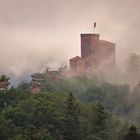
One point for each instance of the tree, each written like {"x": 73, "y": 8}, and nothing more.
{"x": 16, "y": 116}
{"x": 71, "y": 119}
{"x": 4, "y": 78}
{"x": 133, "y": 65}
{"x": 132, "y": 134}
{"x": 95, "y": 94}
{"x": 4, "y": 129}
{"x": 99, "y": 122}
{"x": 24, "y": 86}
{"x": 44, "y": 114}
{"x": 134, "y": 61}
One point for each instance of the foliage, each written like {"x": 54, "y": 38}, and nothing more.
{"x": 132, "y": 134}
{"x": 71, "y": 109}
{"x": 4, "y": 78}
{"x": 71, "y": 119}
{"x": 99, "y": 125}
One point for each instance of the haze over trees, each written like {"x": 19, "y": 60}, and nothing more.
{"x": 73, "y": 109}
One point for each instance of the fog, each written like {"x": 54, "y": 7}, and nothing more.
{"x": 35, "y": 34}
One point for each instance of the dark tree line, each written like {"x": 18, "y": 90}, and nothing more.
{"x": 48, "y": 116}
{"x": 90, "y": 112}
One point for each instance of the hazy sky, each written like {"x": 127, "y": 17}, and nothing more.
{"x": 35, "y": 34}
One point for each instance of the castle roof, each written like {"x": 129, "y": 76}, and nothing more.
{"x": 89, "y": 34}
{"x": 4, "y": 84}
{"x": 75, "y": 58}
{"x": 103, "y": 42}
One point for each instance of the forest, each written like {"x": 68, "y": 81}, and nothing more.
{"x": 72, "y": 109}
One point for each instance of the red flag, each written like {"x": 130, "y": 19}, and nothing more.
{"x": 94, "y": 24}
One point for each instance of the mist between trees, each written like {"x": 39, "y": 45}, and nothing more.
{"x": 101, "y": 107}
{"x": 72, "y": 109}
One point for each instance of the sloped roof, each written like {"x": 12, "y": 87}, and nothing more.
{"x": 40, "y": 75}
{"x": 76, "y": 58}
{"x": 4, "y": 84}
{"x": 102, "y": 42}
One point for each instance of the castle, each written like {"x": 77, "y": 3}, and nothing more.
{"x": 96, "y": 56}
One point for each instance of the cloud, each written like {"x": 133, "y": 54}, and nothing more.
{"x": 35, "y": 33}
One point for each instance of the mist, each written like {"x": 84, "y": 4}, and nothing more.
{"x": 36, "y": 34}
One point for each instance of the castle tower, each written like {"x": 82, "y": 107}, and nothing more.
{"x": 89, "y": 44}
{"x": 96, "y": 55}
{"x": 77, "y": 65}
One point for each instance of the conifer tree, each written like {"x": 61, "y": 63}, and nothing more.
{"x": 99, "y": 122}
{"x": 71, "y": 119}
{"x": 132, "y": 134}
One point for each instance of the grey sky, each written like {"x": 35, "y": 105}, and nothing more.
{"x": 39, "y": 33}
